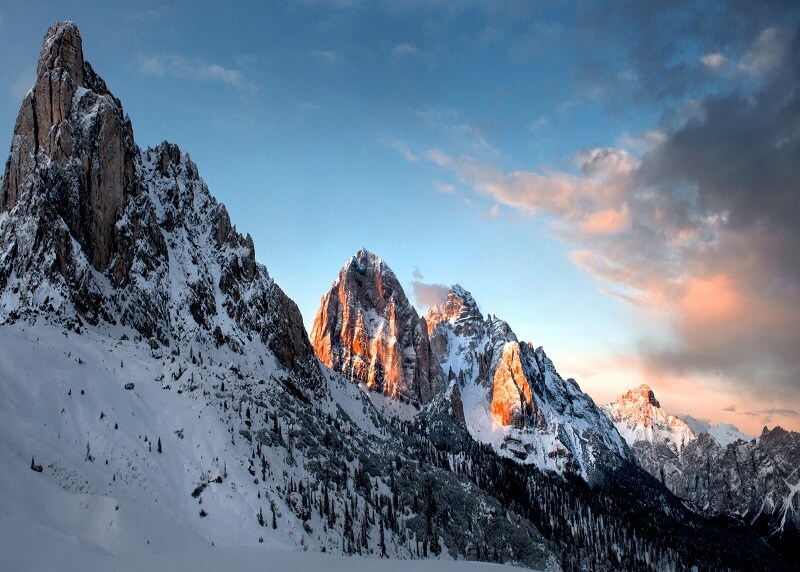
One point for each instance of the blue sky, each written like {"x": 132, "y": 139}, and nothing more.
{"x": 561, "y": 160}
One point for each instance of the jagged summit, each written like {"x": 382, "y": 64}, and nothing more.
{"x": 638, "y": 416}
{"x": 506, "y": 392}
{"x": 365, "y": 258}
{"x": 367, "y": 329}
{"x": 62, "y": 50}
{"x": 642, "y": 394}
{"x": 459, "y": 306}
{"x": 97, "y": 230}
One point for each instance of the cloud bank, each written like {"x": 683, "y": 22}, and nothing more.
{"x": 698, "y": 222}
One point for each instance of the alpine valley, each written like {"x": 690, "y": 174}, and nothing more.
{"x": 160, "y": 395}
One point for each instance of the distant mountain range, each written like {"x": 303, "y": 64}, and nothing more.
{"x": 158, "y": 390}
{"x": 716, "y": 467}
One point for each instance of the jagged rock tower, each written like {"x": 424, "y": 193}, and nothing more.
{"x": 92, "y": 229}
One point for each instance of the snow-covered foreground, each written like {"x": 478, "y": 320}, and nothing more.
{"x": 107, "y": 499}
{"x": 26, "y": 547}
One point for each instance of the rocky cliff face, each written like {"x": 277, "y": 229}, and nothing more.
{"x": 756, "y": 479}
{"x": 368, "y": 330}
{"x": 506, "y": 392}
{"x": 513, "y": 397}
{"x": 92, "y": 229}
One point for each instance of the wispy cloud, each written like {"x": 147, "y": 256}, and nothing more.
{"x": 427, "y": 294}
{"x": 539, "y": 123}
{"x": 774, "y": 411}
{"x": 403, "y": 148}
{"x": 146, "y": 15}
{"x": 714, "y": 61}
{"x": 435, "y": 116}
{"x": 20, "y": 86}
{"x": 327, "y": 56}
{"x": 404, "y": 50}
{"x": 307, "y": 106}
{"x": 193, "y": 69}
{"x": 446, "y": 188}
{"x": 766, "y": 54}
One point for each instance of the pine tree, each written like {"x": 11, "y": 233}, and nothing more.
{"x": 260, "y": 516}
{"x": 382, "y": 540}
{"x": 159, "y": 445}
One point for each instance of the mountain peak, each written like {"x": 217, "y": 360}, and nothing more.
{"x": 367, "y": 329}
{"x": 364, "y": 261}
{"x": 62, "y": 50}
{"x": 642, "y": 394}
{"x": 459, "y": 306}
{"x": 638, "y": 416}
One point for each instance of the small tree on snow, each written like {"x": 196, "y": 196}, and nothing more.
{"x": 159, "y": 445}
{"x": 260, "y": 516}
{"x": 35, "y": 467}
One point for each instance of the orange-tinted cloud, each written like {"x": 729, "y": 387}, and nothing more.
{"x": 712, "y": 301}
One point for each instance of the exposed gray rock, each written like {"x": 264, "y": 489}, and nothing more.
{"x": 92, "y": 228}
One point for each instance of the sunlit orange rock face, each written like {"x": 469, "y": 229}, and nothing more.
{"x": 368, "y": 330}
{"x": 512, "y": 399}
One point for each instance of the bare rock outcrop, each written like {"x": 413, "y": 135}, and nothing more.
{"x": 74, "y": 143}
{"x": 93, "y": 229}
{"x": 368, "y": 330}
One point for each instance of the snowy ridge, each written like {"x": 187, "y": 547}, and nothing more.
{"x": 513, "y": 398}
{"x": 716, "y": 467}
{"x": 722, "y": 433}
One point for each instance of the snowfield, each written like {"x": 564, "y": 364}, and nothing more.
{"x": 107, "y": 499}
{"x": 31, "y": 548}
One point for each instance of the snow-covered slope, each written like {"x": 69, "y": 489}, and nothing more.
{"x": 143, "y": 451}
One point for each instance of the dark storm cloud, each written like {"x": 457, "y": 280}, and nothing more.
{"x": 665, "y": 41}
{"x": 739, "y": 161}
{"x": 743, "y": 155}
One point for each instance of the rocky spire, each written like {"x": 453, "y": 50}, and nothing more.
{"x": 99, "y": 231}
{"x": 73, "y": 150}
{"x": 367, "y": 329}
